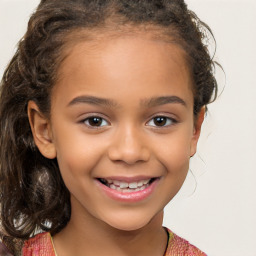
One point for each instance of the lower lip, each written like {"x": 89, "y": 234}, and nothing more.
{"x": 128, "y": 196}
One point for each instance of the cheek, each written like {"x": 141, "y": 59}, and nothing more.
{"x": 77, "y": 154}
{"x": 175, "y": 153}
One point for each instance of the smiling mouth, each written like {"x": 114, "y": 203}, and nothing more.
{"x": 127, "y": 187}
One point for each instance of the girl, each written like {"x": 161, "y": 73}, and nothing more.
{"x": 101, "y": 110}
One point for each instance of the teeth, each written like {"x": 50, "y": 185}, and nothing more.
{"x": 133, "y": 185}
{"x": 146, "y": 181}
{"x": 140, "y": 183}
{"x": 125, "y": 186}
{"x": 116, "y": 182}
{"x": 113, "y": 186}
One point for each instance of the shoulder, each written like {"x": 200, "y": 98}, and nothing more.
{"x": 40, "y": 244}
{"x": 178, "y": 246}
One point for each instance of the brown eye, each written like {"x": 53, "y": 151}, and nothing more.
{"x": 95, "y": 121}
{"x": 160, "y": 121}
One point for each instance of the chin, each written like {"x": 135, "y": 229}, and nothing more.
{"x": 129, "y": 226}
{"x": 130, "y": 223}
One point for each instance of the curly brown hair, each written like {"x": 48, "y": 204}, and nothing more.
{"x": 33, "y": 196}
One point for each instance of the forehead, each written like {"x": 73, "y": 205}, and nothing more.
{"x": 101, "y": 41}
{"x": 115, "y": 63}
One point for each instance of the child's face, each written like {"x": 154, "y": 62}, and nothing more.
{"x": 122, "y": 111}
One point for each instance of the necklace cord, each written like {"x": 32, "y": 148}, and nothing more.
{"x": 54, "y": 247}
{"x": 168, "y": 235}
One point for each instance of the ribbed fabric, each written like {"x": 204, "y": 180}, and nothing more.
{"x": 41, "y": 245}
{"x": 178, "y": 246}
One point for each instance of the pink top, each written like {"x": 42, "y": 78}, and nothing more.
{"x": 178, "y": 246}
{"x": 41, "y": 245}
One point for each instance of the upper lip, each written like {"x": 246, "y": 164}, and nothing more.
{"x": 128, "y": 179}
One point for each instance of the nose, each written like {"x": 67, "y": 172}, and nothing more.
{"x": 128, "y": 146}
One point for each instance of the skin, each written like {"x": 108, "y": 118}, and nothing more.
{"x": 129, "y": 71}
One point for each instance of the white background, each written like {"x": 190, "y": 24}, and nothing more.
{"x": 219, "y": 216}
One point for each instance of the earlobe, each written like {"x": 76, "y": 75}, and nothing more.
{"x": 41, "y": 130}
{"x": 197, "y": 130}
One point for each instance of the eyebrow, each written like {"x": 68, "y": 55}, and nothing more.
{"x": 158, "y": 101}
{"x": 152, "y": 102}
{"x": 93, "y": 101}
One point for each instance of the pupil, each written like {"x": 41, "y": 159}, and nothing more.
{"x": 160, "y": 121}
{"x": 95, "y": 121}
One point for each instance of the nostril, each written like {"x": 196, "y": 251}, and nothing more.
{"x": 128, "y": 155}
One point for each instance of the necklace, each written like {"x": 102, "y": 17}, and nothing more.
{"x": 163, "y": 254}
{"x": 54, "y": 247}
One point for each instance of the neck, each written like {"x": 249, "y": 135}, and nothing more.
{"x": 82, "y": 235}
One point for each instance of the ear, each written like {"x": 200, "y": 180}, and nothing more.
{"x": 197, "y": 130}
{"x": 41, "y": 130}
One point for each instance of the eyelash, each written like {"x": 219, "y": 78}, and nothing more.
{"x": 170, "y": 121}
{"x": 167, "y": 121}
{"x": 87, "y": 120}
